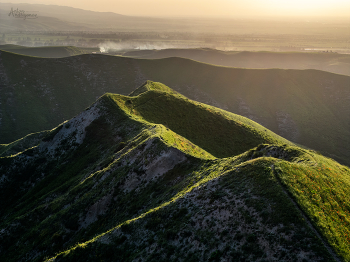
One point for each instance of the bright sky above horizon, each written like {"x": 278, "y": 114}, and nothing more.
{"x": 223, "y": 8}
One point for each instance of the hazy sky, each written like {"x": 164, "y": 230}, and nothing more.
{"x": 226, "y": 8}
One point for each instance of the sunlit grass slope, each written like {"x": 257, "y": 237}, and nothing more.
{"x": 217, "y": 131}
{"x": 308, "y": 107}
{"x": 123, "y": 182}
{"x": 322, "y": 188}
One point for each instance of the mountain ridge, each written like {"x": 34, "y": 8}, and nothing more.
{"x": 309, "y": 107}
{"x": 106, "y": 182}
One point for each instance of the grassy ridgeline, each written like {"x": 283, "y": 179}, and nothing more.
{"x": 308, "y": 107}
{"x": 217, "y": 131}
{"x": 106, "y": 195}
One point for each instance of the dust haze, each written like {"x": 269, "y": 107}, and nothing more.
{"x": 105, "y": 47}
{"x": 103, "y": 32}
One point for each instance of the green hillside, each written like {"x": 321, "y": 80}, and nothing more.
{"x": 308, "y": 107}
{"x": 43, "y": 51}
{"x": 206, "y": 126}
{"x": 116, "y": 183}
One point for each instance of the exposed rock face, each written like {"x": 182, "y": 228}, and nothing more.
{"x": 97, "y": 209}
{"x": 72, "y": 131}
{"x": 156, "y": 166}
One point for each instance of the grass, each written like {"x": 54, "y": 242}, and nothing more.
{"x": 322, "y": 190}
{"x": 130, "y": 137}
{"x": 309, "y": 101}
{"x": 221, "y": 133}
{"x": 308, "y": 107}
{"x": 258, "y": 187}
{"x": 63, "y": 181}
{"x": 149, "y": 85}
{"x": 20, "y": 145}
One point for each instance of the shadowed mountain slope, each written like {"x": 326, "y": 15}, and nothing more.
{"x": 308, "y": 107}
{"x": 115, "y": 183}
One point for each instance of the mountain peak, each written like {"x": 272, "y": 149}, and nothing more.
{"x": 160, "y": 170}
{"x": 150, "y": 85}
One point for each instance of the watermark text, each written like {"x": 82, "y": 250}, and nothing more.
{"x": 22, "y": 14}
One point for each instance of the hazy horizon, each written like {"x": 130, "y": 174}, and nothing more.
{"x": 143, "y": 30}
{"x": 239, "y": 9}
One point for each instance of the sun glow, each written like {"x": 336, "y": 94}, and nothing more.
{"x": 306, "y": 6}
{"x": 211, "y": 8}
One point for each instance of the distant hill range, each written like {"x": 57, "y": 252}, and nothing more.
{"x": 308, "y": 107}
{"x": 326, "y": 61}
{"x": 43, "y": 51}
{"x": 155, "y": 175}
